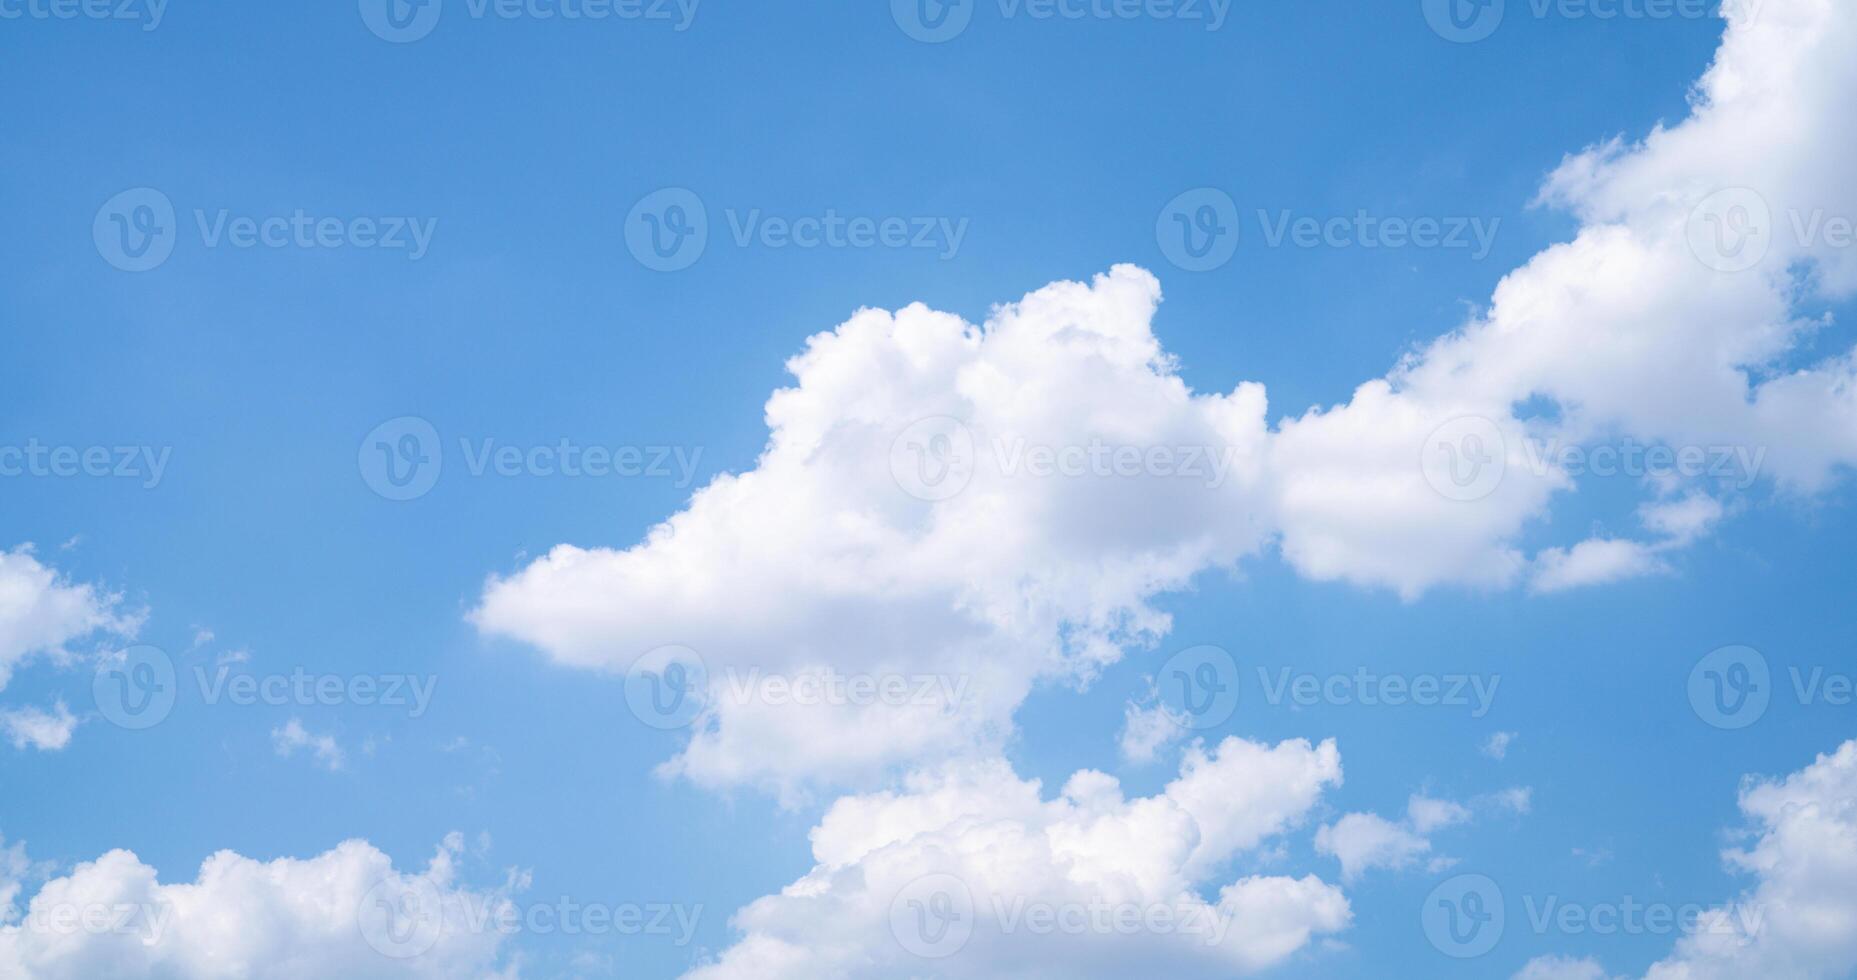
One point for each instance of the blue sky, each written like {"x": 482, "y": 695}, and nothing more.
{"x": 521, "y": 146}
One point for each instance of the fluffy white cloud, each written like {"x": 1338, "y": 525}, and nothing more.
{"x": 969, "y": 872}
{"x": 41, "y": 612}
{"x": 846, "y": 547}
{"x": 1804, "y": 860}
{"x": 827, "y": 556}
{"x": 47, "y": 731}
{"x": 1497, "y": 745}
{"x": 285, "y": 919}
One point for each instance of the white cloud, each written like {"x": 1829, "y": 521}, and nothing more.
{"x": 977, "y": 830}
{"x": 1497, "y": 745}
{"x": 47, "y": 731}
{"x": 816, "y": 558}
{"x": 41, "y": 612}
{"x": 1804, "y": 860}
{"x": 1595, "y": 561}
{"x": 1146, "y": 730}
{"x": 286, "y": 919}
{"x": 292, "y": 737}
{"x": 1427, "y": 814}
{"x": 1364, "y": 841}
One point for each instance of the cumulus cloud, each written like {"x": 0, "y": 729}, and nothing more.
{"x": 1803, "y": 858}
{"x": 970, "y": 872}
{"x": 287, "y": 919}
{"x": 1497, "y": 745}
{"x": 1799, "y": 917}
{"x": 47, "y": 731}
{"x": 42, "y": 612}
{"x": 847, "y": 546}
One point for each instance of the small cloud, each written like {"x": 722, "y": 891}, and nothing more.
{"x": 292, "y": 738}
{"x": 238, "y": 656}
{"x": 1497, "y": 745}
{"x": 42, "y": 730}
{"x": 201, "y": 637}
{"x": 1145, "y": 731}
